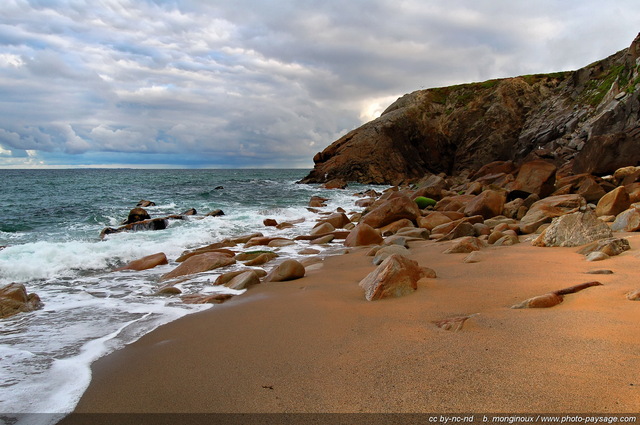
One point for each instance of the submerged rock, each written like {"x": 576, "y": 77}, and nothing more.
{"x": 145, "y": 263}
{"x": 14, "y": 299}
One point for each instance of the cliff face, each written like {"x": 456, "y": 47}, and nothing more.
{"x": 585, "y": 121}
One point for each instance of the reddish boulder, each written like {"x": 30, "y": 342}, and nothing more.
{"x": 285, "y": 271}
{"x": 454, "y": 203}
{"x": 145, "y": 263}
{"x": 337, "y": 220}
{"x": 243, "y": 280}
{"x": 200, "y": 263}
{"x": 434, "y": 219}
{"x": 466, "y": 245}
{"x": 488, "y": 204}
{"x": 627, "y": 221}
{"x": 545, "y": 210}
{"x": 394, "y": 277}
{"x": 14, "y": 299}
{"x": 541, "y": 301}
{"x": 363, "y": 235}
{"x": 270, "y": 222}
{"x": 614, "y": 202}
{"x": 392, "y": 210}
{"x": 537, "y": 177}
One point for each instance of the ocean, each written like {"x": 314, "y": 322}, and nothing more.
{"x": 50, "y": 222}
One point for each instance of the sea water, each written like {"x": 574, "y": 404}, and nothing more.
{"x": 50, "y": 221}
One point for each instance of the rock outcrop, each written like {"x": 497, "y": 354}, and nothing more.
{"x": 585, "y": 121}
{"x": 14, "y": 299}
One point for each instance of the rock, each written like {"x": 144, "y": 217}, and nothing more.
{"x": 209, "y": 248}
{"x": 136, "y": 215}
{"x": 495, "y": 167}
{"x": 215, "y": 213}
{"x": 465, "y": 245}
{"x": 494, "y": 236}
{"x": 270, "y": 222}
{"x": 510, "y": 209}
{"x": 363, "y": 235}
{"x": 634, "y": 295}
{"x": 473, "y": 257}
{"x": 366, "y": 202}
{"x": 322, "y": 229}
{"x": 536, "y": 177}
{"x": 168, "y": 290}
{"x": 610, "y": 246}
{"x": 614, "y": 202}
{"x": 488, "y": 204}
{"x": 390, "y": 211}
{"x": 144, "y": 204}
{"x": 396, "y": 240}
{"x": 387, "y": 251}
{"x": 285, "y": 271}
{"x": 138, "y": 226}
{"x": 574, "y": 229}
{"x": 145, "y": 263}
{"x": 279, "y": 243}
{"x": 323, "y": 240}
{"x": 198, "y": 264}
{"x": 433, "y": 220}
{"x": 541, "y": 301}
{"x": 309, "y": 251}
{"x": 507, "y": 240}
{"x": 621, "y": 174}
{"x": 243, "y": 280}
{"x": 190, "y": 211}
{"x": 545, "y": 210}
{"x": 338, "y": 220}
{"x": 431, "y": 187}
{"x": 393, "y": 228}
{"x": 481, "y": 229}
{"x": 219, "y": 188}
{"x": 206, "y": 299}
{"x": 318, "y": 202}
{"x": 394, "y": 277}
{"x": 453, "y": 324}
{"x": 335, "y": 184}
{"x": 14, "y": 299}
{"x": 576, "y": 288}
{"x": 227, "y": 277}
{"x": 600, "y": 271}
{"x": 627, "y": 221}
{"x": 462, "y": 229}
{"x": 454, "y": 203}
{"x": 261, "y": 259}
{"x": 413, "y": 233}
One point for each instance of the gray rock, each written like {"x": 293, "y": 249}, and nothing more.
{"x": 574, "y": 229}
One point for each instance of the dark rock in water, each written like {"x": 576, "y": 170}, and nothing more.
{"x": 136, "y": 215}
{"x": 14, "y": 299}
{"x": 190, "y": 211}
{"x": 144, "y": 203}
{"x": 218, "y": 188}
{"x": 153, "y": 224}
{"x": 215, "y": 213}
{"x": 270, "y": 222}
{"x": 584, "y": 120}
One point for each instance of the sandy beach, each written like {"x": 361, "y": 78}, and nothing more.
{"x": 316, "y": 345}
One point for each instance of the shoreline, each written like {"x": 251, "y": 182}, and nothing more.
{"x": 315, "y": 345}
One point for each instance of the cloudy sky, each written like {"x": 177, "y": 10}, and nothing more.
{"x": 259, "y": 83}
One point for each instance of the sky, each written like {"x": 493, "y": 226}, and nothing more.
{"x": 259, "y": 84}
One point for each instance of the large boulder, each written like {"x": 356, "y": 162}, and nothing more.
{"x": 614, "y": 202}
{"x": 537, "y": 177}
{"x": 363, "y": 235}
{"x": 137, "y": 214}
{"x": 337, "y": 220}
{"x": 394, "y": 277}
{"x": 545, "y": 210}
{"x": 609, "y": 246}
{"x": 145, "y": 263}
{"x": 392, "y": 210}
{"x": 627, "y": 221}
{"x": 200, "y": 263}
{"x": 243, "y": 280}
{"x": 14, "y": 299}
{"x": 488, "y": 204}
{"x": 285, "y": 271}
{"x": 574, "y": 229}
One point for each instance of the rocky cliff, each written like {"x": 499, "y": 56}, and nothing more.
{"x": 584, "y": 121}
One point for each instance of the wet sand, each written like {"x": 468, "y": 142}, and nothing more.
{"x": 316, "y": 345}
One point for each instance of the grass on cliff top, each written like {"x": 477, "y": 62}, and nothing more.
{"x": 465, "y": 92}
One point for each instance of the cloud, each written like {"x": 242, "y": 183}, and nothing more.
{"x": 253, "y": 83}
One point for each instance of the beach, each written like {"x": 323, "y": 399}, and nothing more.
{"x": 315, "y": 345}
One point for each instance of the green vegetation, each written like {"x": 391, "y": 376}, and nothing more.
{"x": 424, "y": 202}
